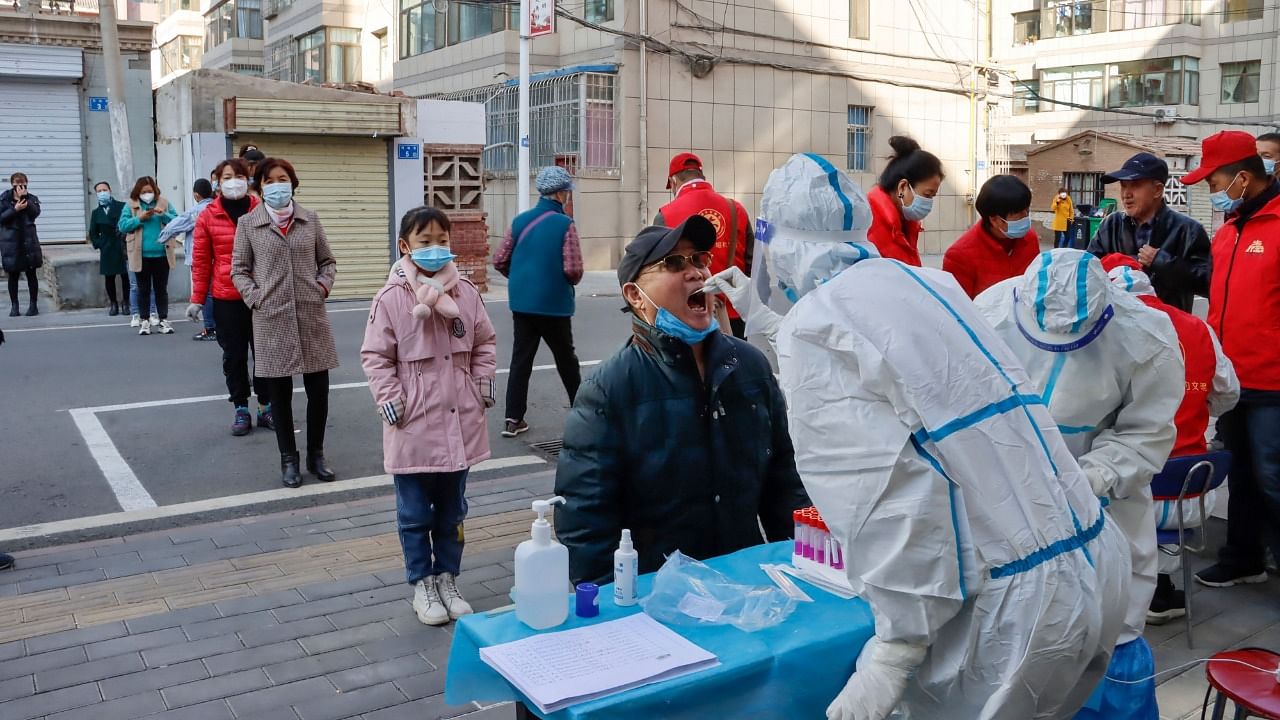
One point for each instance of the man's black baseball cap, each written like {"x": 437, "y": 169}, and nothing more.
{"x": 1142, "y": 166}
{"x": 656, "y": 242}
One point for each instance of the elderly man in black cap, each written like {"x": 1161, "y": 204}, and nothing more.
{"x": 681, "y": 436}
{"x": 1173, "y": 247}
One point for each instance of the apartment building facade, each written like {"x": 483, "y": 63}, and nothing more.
{"x": 1165, "y": 69}
{"x": 179, "y": 40}
{"x": 742, "y": 84}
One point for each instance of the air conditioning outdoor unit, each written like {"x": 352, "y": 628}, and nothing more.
{"x": 1166, "y": 114}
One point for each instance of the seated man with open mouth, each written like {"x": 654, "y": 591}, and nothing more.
{"x": 681, "y": 436}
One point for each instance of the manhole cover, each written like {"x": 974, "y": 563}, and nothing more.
{"x": 550, "y": 448}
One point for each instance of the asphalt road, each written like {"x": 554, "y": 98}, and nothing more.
{"x": 182, "y": 452}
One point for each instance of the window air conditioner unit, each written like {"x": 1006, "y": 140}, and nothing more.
{"x": 1166, "y": 114}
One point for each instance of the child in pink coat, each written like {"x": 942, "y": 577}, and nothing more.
{"x": 430, "y": 353}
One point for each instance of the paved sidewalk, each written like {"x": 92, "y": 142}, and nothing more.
{"x": 305, "y": 616}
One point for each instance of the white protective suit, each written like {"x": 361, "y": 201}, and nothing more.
{"x": 996, "y": 582}
{"x": 1224, "y": 393}
{"x": 1109, "y": 369}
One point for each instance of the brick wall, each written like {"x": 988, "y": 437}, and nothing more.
{"x": 454, "y": 184}
{"x": 1045, "y": 169}
{"x": 469, "y": 239}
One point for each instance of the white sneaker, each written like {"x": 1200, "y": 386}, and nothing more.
{"x": 154, "y": 320}
{"x": 447, "y": 585}
{"x": 145, "y": 329}
{"x": 135, "y": 321}
{"x": 165, "y": 328}
{"x": 426, "y": 603}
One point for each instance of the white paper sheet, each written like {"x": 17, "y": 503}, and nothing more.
{"x": 559, "y": 669}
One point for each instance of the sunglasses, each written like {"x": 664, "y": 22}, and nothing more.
{"x": 677, "y": 263}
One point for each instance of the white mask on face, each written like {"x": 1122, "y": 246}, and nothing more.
{"x": 235, "y": 188}
{"x": 147, "y": 198}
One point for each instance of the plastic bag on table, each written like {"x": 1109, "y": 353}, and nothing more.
{"x": 688, "y": 592}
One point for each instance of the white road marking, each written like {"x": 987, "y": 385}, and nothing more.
{"x": 126, "y": 486}
{"x": 154, "y": 512}
{"x": 172, "y": 321}
{"x": 209, "y": 398}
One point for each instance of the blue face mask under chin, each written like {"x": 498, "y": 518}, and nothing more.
{"x": 669, "y": 324}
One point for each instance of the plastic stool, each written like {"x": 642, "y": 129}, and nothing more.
{"x": 1255, "y": 694}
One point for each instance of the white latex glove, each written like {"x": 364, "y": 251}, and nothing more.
{"x": 193, "y": 312}
{"x": 874, "y": 690}
{"x": 735, "y": 285}
{"x": 1098, "y": 481}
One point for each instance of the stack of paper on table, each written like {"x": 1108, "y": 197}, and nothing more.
{"x": 559, "y": 669}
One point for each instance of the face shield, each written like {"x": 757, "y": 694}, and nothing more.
{"x": 812, "y": 226}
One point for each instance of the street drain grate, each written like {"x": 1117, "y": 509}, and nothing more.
{"x": 550, "y": 448}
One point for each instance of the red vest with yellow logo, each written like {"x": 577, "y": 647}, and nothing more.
{"x": 1244, "y": 297}
{"x": 1192, "y": 418}
{"x": 698, "y": 197}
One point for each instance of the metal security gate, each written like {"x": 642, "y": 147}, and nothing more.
{"x": 345, "y": 181}
{"x": 40, "y": 136}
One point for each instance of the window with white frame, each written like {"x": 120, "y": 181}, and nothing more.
{"x": 181, "y": 53}
{"x": 598, "y": 11}
{"x": 1238, "y": 10}
{"x": 278, "y": 59}
{"x": 1079, "y": 85}
{"x": 573, "y": 122}
{"x": 1240, "y": 81}
{"x": 1084, "y": 188}
{"x": 859, "y": 138}
{"x": 327, "y": 55}
{"x": 232, "y": 19}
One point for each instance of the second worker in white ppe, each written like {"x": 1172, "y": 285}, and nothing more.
{"x": 1109, "y": 369}
{"x": 996, "y": 582}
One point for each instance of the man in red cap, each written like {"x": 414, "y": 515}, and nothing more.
{"x": 1244, "y": 309}
{"x": 1211, "y": 388}
{"x": 695, "y": 196}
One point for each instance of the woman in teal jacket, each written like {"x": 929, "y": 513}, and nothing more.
{"x": 144, "y": 216}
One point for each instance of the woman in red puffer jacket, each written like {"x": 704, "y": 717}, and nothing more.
{"x": 214, "y": 238}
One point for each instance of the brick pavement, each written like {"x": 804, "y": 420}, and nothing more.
{"x": 302, "y": 615}
{"x": 305, "y": 616}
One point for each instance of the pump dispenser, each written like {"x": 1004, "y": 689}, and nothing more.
{"x": 542, "y": 574}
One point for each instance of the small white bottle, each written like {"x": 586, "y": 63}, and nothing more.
{"x": 625, "y": 563}
{"x": 542, "y": 574}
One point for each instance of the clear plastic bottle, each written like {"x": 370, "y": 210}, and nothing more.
{"x": 542, "y": 574}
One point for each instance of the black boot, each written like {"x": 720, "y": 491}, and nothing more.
{"x": 290, "y": 475}
{"x": 317, "y": 466}
{"x": 14, "y": 311}
{"x": 115, "y": 309}
{"x": 32, "y": 310}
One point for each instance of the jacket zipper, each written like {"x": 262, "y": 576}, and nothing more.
{"x": 1226, "y": 288}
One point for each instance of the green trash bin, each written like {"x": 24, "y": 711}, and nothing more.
{"x": 1108, "y": 206}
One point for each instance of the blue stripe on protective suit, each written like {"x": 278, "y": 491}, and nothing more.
{"x": 1059, "y": 361}
{"x": 1075, "y": 429}
{"x": 1042, "y": 286}
{"x": 1044, "y": 445}
{"x": 1051, "y": 551}
{"x": 1082, "y": 293}
{"x": 1128, "y": 279}
{"x": 1075, "y": 522}
{"x": 833, "y": 177}
{"x": 1129, "y": 699}
{"x": 951, "y": 495}
{"x": 996, "y": 408}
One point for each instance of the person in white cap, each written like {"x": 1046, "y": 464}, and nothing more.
{"x": 996, "y": 581}
{"x": 1109, "y": 370}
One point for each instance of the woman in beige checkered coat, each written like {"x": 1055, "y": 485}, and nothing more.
{"x": 284, "y": 270}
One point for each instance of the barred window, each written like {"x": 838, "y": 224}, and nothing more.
{"x": 573, "y": 121}
{"x": 1085, "y": 188}
{"x": 859, "y": 138}
{"x": 278, "y": 57}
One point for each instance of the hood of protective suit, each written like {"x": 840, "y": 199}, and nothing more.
{"x": 813, "y": 224}
{"x": 1131, "y": 281}
{"x": 1061, "y": 296}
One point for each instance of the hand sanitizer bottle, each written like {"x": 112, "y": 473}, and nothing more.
{"x": 542, "y": 574}
{"x": 625, "y": 561}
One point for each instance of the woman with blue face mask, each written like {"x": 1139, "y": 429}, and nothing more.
{"x": 1001, "y": 244}
{"x": 903, "y": 199}
{"x": 283, "y": 268}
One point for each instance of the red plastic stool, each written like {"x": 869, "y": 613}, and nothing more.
{"x": 1255, "y": 694}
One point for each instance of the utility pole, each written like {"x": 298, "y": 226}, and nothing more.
{"x": 121, "y": 146}
{"x": 522, "y": 150}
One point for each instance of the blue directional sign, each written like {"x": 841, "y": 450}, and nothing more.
{"x": 408, "y": 151}
{"x": 97, "y": 104}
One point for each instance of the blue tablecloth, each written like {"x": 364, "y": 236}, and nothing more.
{"x": 792, "y": 670}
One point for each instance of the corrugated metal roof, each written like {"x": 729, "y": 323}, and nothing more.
{"x": 40, "y": 61}
{"x": 313, "y": 117}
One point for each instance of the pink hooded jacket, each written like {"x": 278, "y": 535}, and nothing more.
{"x": 435, "y": 365}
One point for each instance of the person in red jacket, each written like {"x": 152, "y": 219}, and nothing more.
{"x": 1211, "y": 388}
{"x": 694, "y": 195}
{"x": 1000, "y": 245}
{"x": 902, "y": 199}
{"x": 212, "y": 243}
{"x": 1244, "y": 309}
